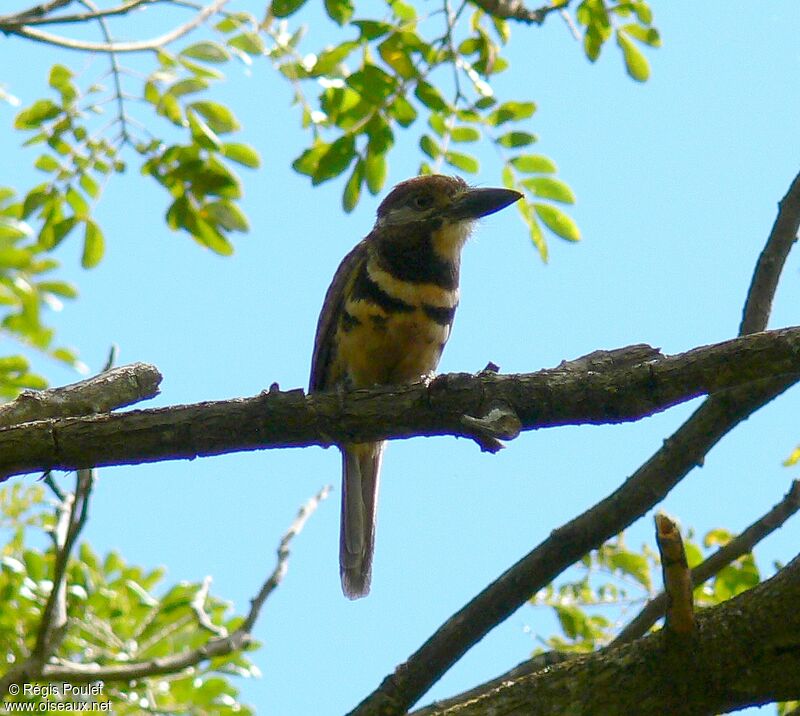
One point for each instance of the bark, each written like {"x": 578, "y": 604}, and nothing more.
{"x": 745, "y": 652}
{"x": 604, "y": 387}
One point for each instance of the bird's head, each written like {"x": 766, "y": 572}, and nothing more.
{"x": 441, "y": 200}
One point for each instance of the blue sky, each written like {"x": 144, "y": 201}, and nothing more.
{"x": 677, "y": 183}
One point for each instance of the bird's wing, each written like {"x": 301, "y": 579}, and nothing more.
{"x": 331, "y": 309}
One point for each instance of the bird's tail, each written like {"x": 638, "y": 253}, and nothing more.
{"x": 361, "y": 465}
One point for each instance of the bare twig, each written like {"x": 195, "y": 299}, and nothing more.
{"x": 134, "y": 46}
{"x": 771, "y": 261}
{"x": 740, "y": 545}
{"x": 677, "y": 579}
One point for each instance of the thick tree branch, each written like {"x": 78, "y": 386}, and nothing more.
{"x": 654, "y": 610}
{"x": 680, "y": 453}
{"x": 738, "y": 546}
{"x": 606, "y": 387}
{"x": 102, "y": 393}
{"x": 771, "y": 261}
{"x": 745, "y": 651}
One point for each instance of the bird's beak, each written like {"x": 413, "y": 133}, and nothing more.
{"x": 478, "y": 202}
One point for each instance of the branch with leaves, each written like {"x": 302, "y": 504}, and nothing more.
{"x": 44, "y": 662}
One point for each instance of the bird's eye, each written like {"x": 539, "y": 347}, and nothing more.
{"x": 422, "y": 201}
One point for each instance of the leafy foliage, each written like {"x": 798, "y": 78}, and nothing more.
{"x": 114, "y": 618}
{"x": 380, "y": 82}
{"x": 26, "y": 291}
{"x": 615, "y": 579}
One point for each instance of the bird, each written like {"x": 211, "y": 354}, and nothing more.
{"x": 385, "y": 320}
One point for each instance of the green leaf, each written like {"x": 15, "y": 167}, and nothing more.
{"x": 403, "y": 11}
{"x": 184, "y": 87}
{"x": 59, "y": 288}
{"x": 77, "y": 202}
{"x": 647, "y": 35}
{"x": 35, "y": 198}
{"x": 340, "y": 11}
{"x": 308, "y": 161}
{"x": 207, "y": 51}
{"x": 516, "y": 139}
{"x": 202, "y": 133}
{"x": 465, "y": 134}
{"x": 428, "y": 145}
{"x": 558, "y": 222}
{"x": 225, "y": 214}
{"x": 352, "y": 190}
{"x": 284, "y": 8}
{"x": 219, "y": 118}
{"x": 201, "y": 70}
{"x": 60, "y": 77}
{"x": 372, "y": 29}
{"x": 335, "y": 160}
{"x": 39, "y": 112}
{"x": 375, "y": 171}
{"x": 249, "y": 42}
{"x": 89, "y": 185}
{"x": 170, "y": 108}
{"x": 11, "y": 228}
{"x": 330, "y": 59}
{"x": 635, "y": 62}
{"x": 93, "y": 245}
{"x": 47, "y": 163}
{"x": 402, "y": 111}
{"x": 530, "y": 163}
{"x": 430, "y": 96}
{"x": 394, "y": 53}
{"x": 718, "y": 537}
{"x": 793, "y": 458}
{"x": 464, "y": 162}
{"x": 511, "y": 112}
{"x": 151, "y": 93}
{"x": 372, "y": 83}
{"x": 241, "y": 154}
{"x": 549, "y": 188}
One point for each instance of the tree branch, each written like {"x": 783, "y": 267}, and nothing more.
{"x": 72, "y": 515}
{"x": 102, "y": 393}
{"x": 602, "y": 388}
{"x": 48, "y": 19}
{"x": 134, "y": 46}
{"x": 654, "y": 609}
{"x": 770, "y": 262}
{"x": 756, "y": 634}
{"x": 681, "y": 452}
{"x": 677, "y": 577}
{"x": 738, "y": 546}
{"x": 516, "y": 10}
